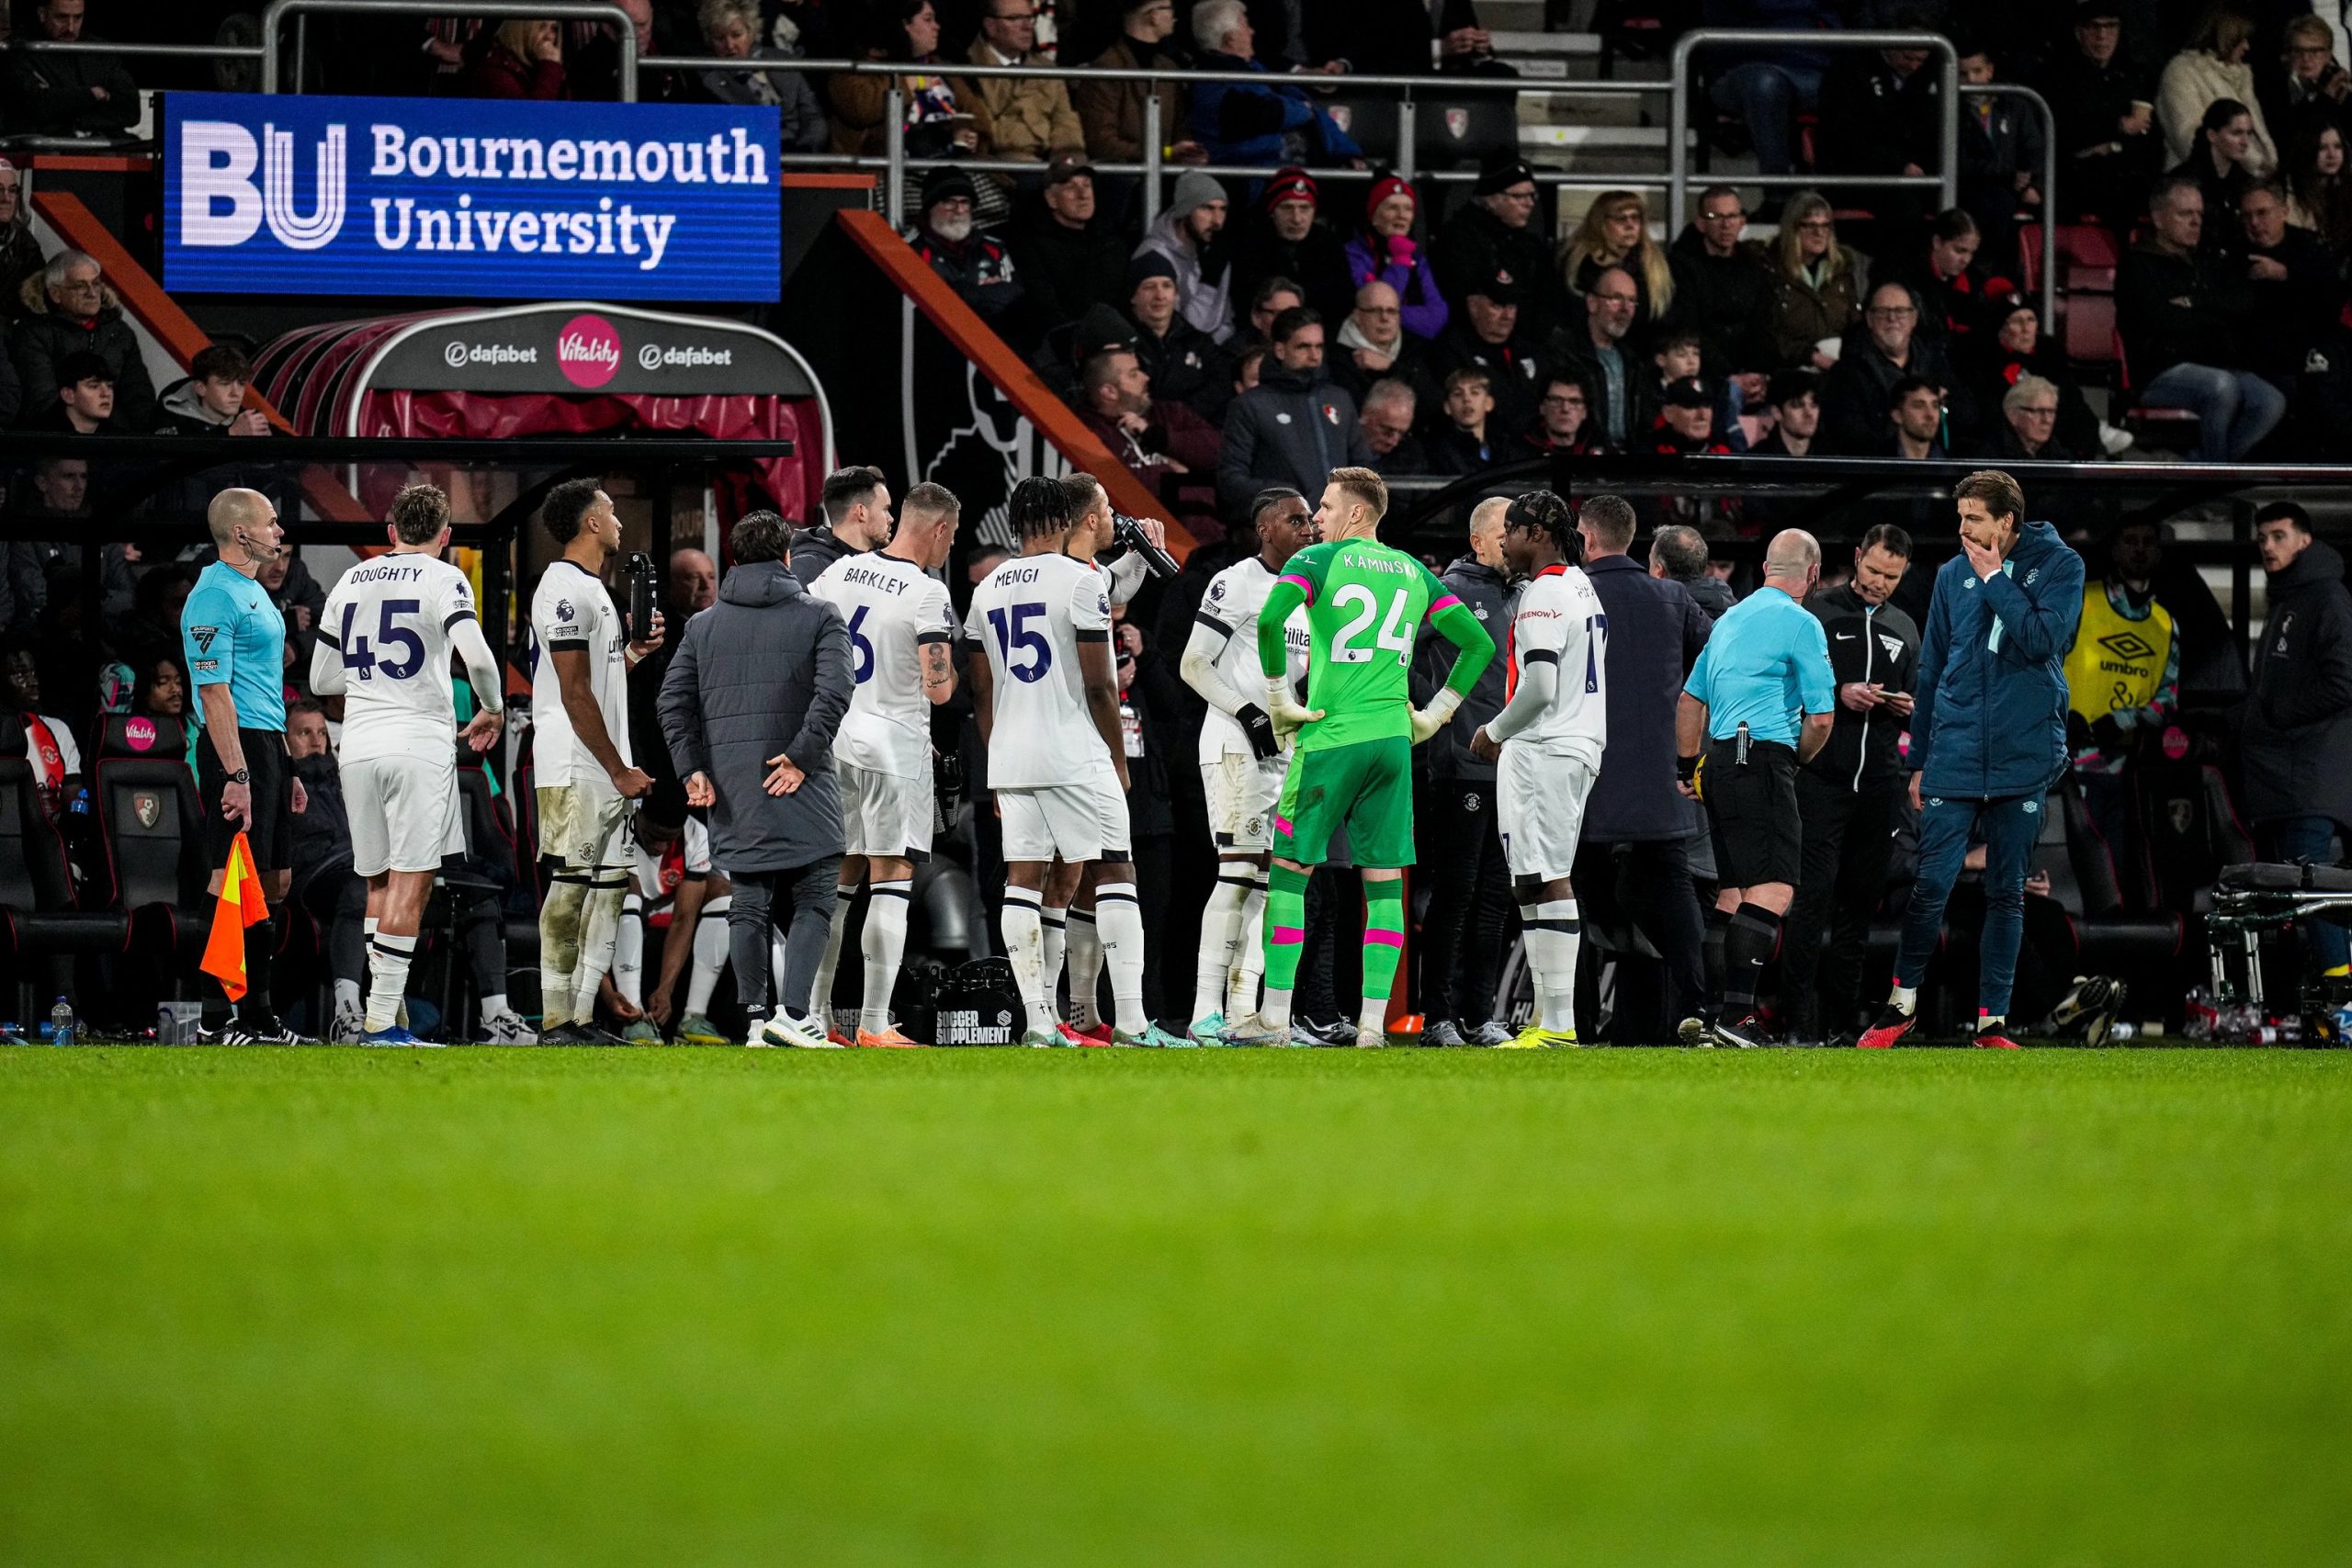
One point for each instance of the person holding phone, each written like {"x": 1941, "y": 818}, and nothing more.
{"x": 1850, "y": 798}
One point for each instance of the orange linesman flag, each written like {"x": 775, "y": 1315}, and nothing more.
{"x": 240, "y": 905}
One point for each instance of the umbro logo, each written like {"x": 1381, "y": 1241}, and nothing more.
{"x": 2128, "y": 646}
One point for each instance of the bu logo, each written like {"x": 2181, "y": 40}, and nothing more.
{"x": 218, "y": 160}
{"x": 148, "y": 807}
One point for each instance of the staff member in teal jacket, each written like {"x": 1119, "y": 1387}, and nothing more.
{"x": 234, "y": 640}
{"x": 1988, "y": 736}
{"x": 1762, "y": 698}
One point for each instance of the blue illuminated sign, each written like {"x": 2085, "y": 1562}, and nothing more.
{"x": 469, "y": 198}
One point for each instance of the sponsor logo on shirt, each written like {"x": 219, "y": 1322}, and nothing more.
{"x": 202, "y": 637}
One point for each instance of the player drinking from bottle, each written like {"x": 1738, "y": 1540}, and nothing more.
{"x": 1546, "y": 744}
{"x": 1353, "y": 763}
{"x": 1045, "y": 691}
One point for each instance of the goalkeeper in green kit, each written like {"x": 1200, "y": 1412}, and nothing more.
{"x": 1354, "y": 763}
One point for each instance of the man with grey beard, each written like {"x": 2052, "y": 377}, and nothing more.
{"x": 975, "y": 266}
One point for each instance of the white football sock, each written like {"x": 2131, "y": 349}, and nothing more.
{"x": 710, "y": 953}
{"x": 600, "y": 930}
{"x": 885, "y": 945}
{"x": 1275, "y": 1007}
{"x": 389, "y": 957}
{"x": 1250, "y": 972}
{"x": 495, "y": 1006}
{"x": 559, "y": 918}
{"x": 820, "y": 994}
{"x": 629, "y": 952}
{"x": 1084, "y": 955}
{"x": 1055, "y": 924}
{"x": 1220, "y": 936}
{"x": 1024, "y": 947}
{"x": 1121, "y": 920}
{"x": 348, "y": 998}
{"x": 1552, "y": 931}
{"x": 1904, "y": 1000}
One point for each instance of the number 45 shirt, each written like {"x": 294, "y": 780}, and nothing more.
{"x": 390, "y": 619}
{"x": 1029, "y": 618}
{"x": 571, "y": 610}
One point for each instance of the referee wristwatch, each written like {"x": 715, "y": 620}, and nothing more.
{"x": 242, "y": 776}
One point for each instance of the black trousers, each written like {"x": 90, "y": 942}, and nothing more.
{"x": 1468, "y": 923}
{"x": 1847, "y": 838}
{"x": 1644, "y": 883}
{"x": 807, "y": 893}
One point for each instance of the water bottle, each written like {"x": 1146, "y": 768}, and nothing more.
{"x": 2343, "y": 1025}
{"x": 2202, "y": 1017}
{"x": 2122, "y": 1034}
{"x": 61, "y": 1023}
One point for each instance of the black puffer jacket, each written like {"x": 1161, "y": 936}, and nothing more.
{"x": 41, "y": 340}
{"x": 1877, "y": 644}
{"x": 1490, "y": 598}
{"x": 764, "y": 672}
{"x": 2297, "y": 737}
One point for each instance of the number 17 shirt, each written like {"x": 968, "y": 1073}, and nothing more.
{"x": 1029, "y": 616}
{"x": 390, "y": 619}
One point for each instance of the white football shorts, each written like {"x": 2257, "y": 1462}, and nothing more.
{"x": 1540, "y": 805}
{"x": 1241, "y": 791}
{"x": 1077, "y": 822}
{"x": 883, "y": 814}
{"x": 582, "y": 823}
{"x": 404, "y": 813}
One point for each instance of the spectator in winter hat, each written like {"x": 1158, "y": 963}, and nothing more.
{"x": 1189, "y": 235}
{"x": 1386, "y": 251}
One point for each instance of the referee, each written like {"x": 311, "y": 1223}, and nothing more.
{"x": 233, "y": 639}
{"x": 1759, "y": 703}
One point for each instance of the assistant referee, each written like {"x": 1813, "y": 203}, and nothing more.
{"x": 234, "y": 640}
{"x": 1759, "y": 703}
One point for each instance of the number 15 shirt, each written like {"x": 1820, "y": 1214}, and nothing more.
{"x": 1029, "y": 618}
{"x": 390, "y": 619}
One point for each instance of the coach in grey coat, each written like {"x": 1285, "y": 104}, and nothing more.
{"x": 752, "y": 699}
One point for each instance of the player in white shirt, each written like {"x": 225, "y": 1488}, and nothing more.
{"x": 385, "y": 636}
{"x": 1242, "y": 759}
{"x": 1546, "y": 744}
{"x": 580, "y": 750}
{"x": 902, "y": 637}
{"x": 1044, "y": 688}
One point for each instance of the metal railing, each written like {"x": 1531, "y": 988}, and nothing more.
{"x": 1946, "y": 181}
{"x": 2049, "y": 207}
{"x": 895, "y": 165}
{"x": 273, "y": 20}
{"x": 1154, "y": 138}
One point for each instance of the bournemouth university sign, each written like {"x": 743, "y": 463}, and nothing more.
{"x": 469, "y": 198}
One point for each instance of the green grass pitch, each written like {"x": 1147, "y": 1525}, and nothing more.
{"x": 688, "y": 1307}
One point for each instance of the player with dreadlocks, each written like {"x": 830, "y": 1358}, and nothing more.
{"x": 1546, "y": 744}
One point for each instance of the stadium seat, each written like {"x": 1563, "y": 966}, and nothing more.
{"x": 151, "y": 824}
{"x": 2172, "y": 427}
{"x": 38, "y": 914}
